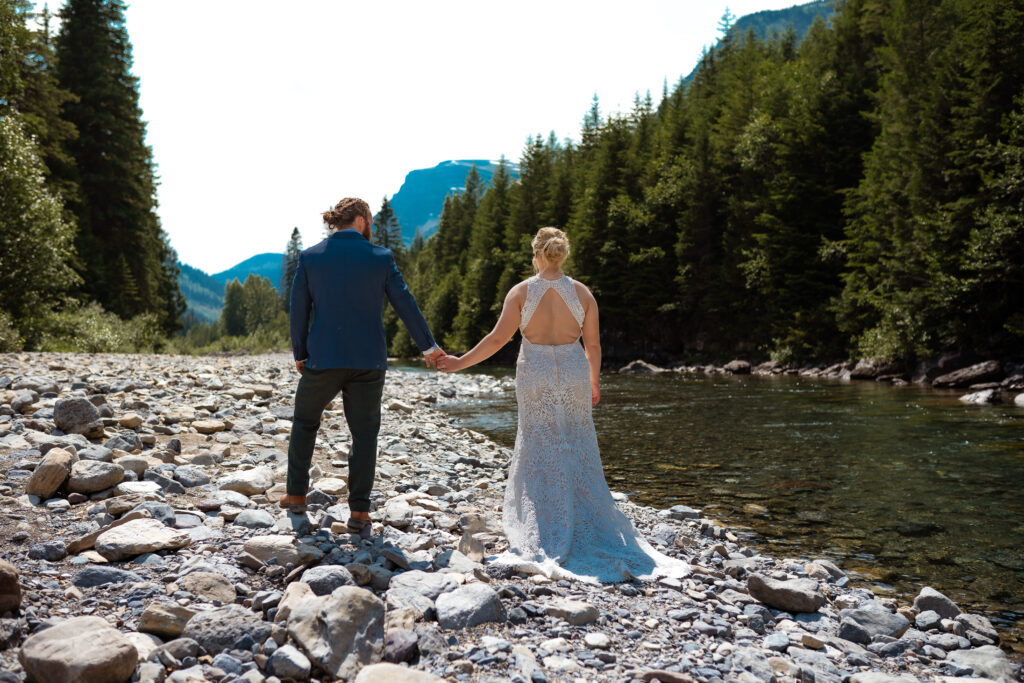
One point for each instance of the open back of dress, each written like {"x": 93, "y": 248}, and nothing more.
{"x": 558, "y": 515}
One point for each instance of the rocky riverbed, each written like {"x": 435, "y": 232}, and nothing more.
{"x": 142, "y": 541}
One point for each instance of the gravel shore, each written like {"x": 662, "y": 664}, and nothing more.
{"x": 141, "y": 540}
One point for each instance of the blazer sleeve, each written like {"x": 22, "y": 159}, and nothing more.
{"x": 300, "y": 304}
{"x": 405, "y": 306}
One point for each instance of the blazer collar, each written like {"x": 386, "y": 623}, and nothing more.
{"x": 346, "y": 234}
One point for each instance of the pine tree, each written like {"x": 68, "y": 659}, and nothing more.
{"x": 387, "y": 232}
{"x": 289, "y": 264}
{"x": 114, "y": 171}
{"x": 232, "y": 316}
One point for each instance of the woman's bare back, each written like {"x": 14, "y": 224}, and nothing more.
{"x": 551, "y": 321}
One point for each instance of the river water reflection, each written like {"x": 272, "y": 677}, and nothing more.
{"x": 901, "y": 486}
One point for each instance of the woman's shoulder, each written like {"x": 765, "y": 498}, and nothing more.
{"x": 582, "y": 291}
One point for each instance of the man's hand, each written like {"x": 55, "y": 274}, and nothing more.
{"x": 431, "y": 358}
{"x": 299, "y": 364}
{"x": 595, "y": 394}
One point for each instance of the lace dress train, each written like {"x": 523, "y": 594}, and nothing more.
{"x": 559, "y": 516}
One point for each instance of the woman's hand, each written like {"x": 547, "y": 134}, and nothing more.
{"x": 448, "y": 363}
{"x": 595, "y": 394}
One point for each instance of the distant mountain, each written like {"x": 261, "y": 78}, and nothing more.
{"x": 769, "y": 21}
{"x": 204, "y": 293}
{"x": 419, "y": 201}
{"x": 265, "y": 265}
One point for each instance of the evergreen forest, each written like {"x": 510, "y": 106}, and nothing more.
{"x": 84, "y": 262}
{"x": 857, "y": 192}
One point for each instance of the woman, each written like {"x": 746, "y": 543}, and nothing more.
{"x": 559, "y": 516}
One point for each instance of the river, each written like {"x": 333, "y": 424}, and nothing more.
{"x": 900, "y": 486}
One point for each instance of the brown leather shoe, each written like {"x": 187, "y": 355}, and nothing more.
{"x": 293, "y": 503}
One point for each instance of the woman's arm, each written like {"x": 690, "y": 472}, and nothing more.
{"x": 506, "y": 326}
{"x": 591, "y": 342}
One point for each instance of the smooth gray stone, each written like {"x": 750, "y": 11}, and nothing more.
{"x": 862, "y": 625}
{"x": 98, "y": 575}
{"x": 324, "y": 578}
{"x": 470, "y": 605}
{"x": 931, "y": 599}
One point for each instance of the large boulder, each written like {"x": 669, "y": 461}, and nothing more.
{"x": 76, "y": 416}
{"x": 394, "y": 673}
{"x": 137, "y": 537}
{"x": 209, "y": 585}
{"x": 10, "y": 587}
{"x": 470, "y": 605}
{"x": 248, "y": 482}
{"x": 737, "y": 367}
{"x": 325, "y": 578}
{"x": 794, "y": 595}
{"x": 165, "y": 619}
{"x": 90, "y": 476}
{"x": 219, "y": 629}
{"x": 279, "y": 547}
{"x": 79, "y": 650}
{"x": 341, "y": 632}
{"x": 989, "y": 371}
{"x": 862, "y": 625}
{"x": 50, "y": 473}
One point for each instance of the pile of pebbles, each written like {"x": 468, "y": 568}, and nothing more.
{"x": 142, "y": 541}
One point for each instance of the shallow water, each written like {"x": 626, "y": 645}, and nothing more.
{"x": 901, "y": 486}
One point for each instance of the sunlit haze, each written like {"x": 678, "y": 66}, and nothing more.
{"x": 261, "y": 114}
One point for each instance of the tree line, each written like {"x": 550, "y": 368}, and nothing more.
{"x": 84, "y": 262}
{"x": 856, "y": 192}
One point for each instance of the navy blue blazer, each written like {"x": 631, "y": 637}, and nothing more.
{"x": 342, "y": 281}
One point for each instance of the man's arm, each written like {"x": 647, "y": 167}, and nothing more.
{"x": 299, "y": 306}
{"x": 405, "y": 306}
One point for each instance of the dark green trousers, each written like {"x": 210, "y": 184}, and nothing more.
{"x": 360, "y": 392}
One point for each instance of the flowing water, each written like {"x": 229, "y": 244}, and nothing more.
{"x": 900, "y": 486}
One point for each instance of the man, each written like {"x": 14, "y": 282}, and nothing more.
{"x": 344, "y": 280}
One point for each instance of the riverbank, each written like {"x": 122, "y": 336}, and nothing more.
{"x": 987, "y": 381}
{"x": 209, "y": 593}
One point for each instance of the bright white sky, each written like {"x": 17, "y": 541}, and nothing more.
{"x": 263, "y": 114}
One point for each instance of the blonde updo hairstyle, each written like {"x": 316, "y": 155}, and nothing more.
{"x": 550, "y": 247}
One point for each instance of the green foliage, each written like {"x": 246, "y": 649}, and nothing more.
{"x": 232, "y": 316}
{"x": 387, "y": 232}
{"x": 35, "y": 240}
{"x": 10, "y": 338}
{"x": 90, "y": 329}
{"x": 849, "y": 184}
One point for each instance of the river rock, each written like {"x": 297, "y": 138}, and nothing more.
{"x": 931, "y": 599}
{"x": 862, "y": 625}
{"x": 400, "y": 645}
{"x": 50, "y": 473}
{"x": 208, "y": 426}
{"x": 323, "y": 579}
{"x": 208, "y": 585}
{"x": 90, "y": 476}
{"x": 288, "y": 663}
{"x": 977, "y": 625}
{"x": 96, "y": 452}
{"x": 395, "y": 673}
{"x": 79, "y": 650}
{"x": 470, "y": 605}
{"x": 51, "y": 551}
{"x": 190, "y": 476}
{"x": 737, "y": 367}
{"x": 989, "y": 371}
{"x": 10, "y": 587}
{"x": 295, "y": 593}
{"x": 277, "y": 546}
{"x": 248, "y": 482}
{"x": 137, "y": 537}
{"x": 341, "y": 632}
{"x": 985, "y": 397}
{"x": 219, "y": 629}
{"x": 100, "y": 575}
{"x": 988, "y": 661}
{"x": 165, "y": 619}
{"x": 575, "y": 612}
{"x": 639, "y": 367}
{"x": 418, "y": 590}
{"x": 793, "y": 595}
{"x": 76, "y": 416}
{"x": 255, "y": 519}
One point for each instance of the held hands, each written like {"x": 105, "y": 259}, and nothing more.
{"x": 449, "y": 364}
{"x": 432, "y": 358}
